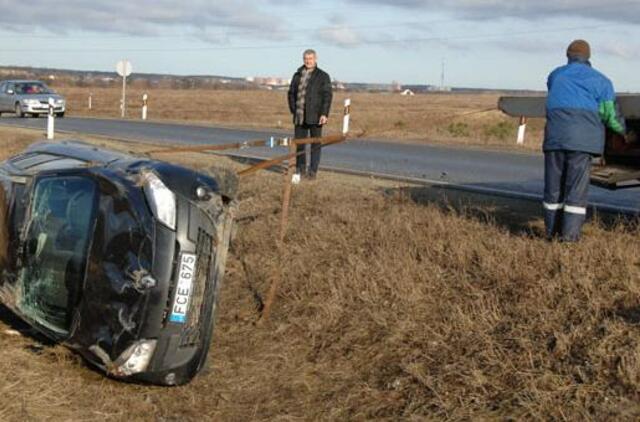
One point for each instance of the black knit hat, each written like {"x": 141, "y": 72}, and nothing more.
{"x": 579, "y": 49}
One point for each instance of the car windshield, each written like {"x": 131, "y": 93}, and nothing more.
{"x": 57, "y": 240}
{"x": 32, "y": 88}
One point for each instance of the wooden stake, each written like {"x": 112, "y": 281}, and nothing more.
{"x": 284, "y": 221}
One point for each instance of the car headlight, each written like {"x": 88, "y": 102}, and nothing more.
{"x": 162, "y": 200}
{"x": 137, "y": 357}
{"x": 60, "y": 101}
{"x": 31, "y": 102}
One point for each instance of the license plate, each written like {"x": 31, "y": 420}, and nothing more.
{"x": 186, "y": 272}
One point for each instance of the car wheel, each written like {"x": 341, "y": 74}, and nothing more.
{"x": 19, "y": 112}
{"x": 60, "y": 115}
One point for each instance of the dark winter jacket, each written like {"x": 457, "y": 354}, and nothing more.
{"x": 581, "y": 102}
{"x": 318, "y": 98}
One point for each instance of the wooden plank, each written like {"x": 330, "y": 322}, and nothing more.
{"x": 534, "y": 106}
{"x": 611, "y": 176}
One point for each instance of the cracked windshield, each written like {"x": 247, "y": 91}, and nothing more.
{"x": 57, "y": 241}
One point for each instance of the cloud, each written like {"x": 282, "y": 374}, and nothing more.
{"x": 626, "y": 11}
{"x": 627, "y": 52}
{"x": 341, "y": 35}
{"x": 143, "y": 17}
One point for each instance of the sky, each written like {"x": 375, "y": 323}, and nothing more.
{"x": 509, "y": 44}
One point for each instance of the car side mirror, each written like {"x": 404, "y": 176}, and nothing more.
{"x": 10, "y": 92}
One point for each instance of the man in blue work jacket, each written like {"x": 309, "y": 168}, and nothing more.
{"x": 580, "y": 104}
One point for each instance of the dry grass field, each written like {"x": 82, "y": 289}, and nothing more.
{"x": 394, "y": 306}
{"x": 458, "y": 119}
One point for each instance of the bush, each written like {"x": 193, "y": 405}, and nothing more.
{"x": 459, "y": 129}
{"x": 400, "y": 124}
{"x": 501, "y": 130}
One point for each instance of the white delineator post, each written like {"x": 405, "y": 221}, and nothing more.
{"x": 50, "y": 119}
{"x": 522, "y": 129}
{"x": 145, "y": 98}
{"x": 90, "y": 100}
{"x": 347, "y": 116}
{"x": 124, "y": 95}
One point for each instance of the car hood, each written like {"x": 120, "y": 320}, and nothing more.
{"x": 39, "y": 97}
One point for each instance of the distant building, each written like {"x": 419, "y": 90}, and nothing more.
{"x": 270, "y": 81}
{"x": 433, "y": 88}
{"x": 339, "y": 86}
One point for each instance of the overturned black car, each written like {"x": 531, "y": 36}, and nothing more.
{"x": 118, "y": 257}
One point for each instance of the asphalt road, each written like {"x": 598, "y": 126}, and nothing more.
{"x": 504, "y": 173}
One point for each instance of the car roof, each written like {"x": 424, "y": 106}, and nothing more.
{"x": 22, "y": 81}
{"x": 78, "y": 150}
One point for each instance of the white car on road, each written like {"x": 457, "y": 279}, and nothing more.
{"x": 23, "y": 97}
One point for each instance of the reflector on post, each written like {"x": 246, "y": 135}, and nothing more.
{"x": 145, "y": 105}
{"x": 522, "y": 130}
{"x": 50, "y": 123}
{"x": 347, "y": 116}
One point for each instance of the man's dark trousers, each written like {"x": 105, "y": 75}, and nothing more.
{"x": 566, "y": 191}
{"x": 303, "y": 132}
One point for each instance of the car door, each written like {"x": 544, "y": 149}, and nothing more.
{"x": 8, "y": 95}
{"x": 2, "y": 96}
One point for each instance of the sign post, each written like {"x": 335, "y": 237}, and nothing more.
{"x": 124, "y": 69}
{"x": 50, "y": 123}
{"x": 522, "y": 130}
{"x": 347, "y": 116}
{"x": 145, "y": 99}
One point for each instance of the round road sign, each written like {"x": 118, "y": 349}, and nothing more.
{"x": 123, "y": 67}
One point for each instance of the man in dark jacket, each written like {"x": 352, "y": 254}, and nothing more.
{"x": 310, "y": 96}
{"x": 580, "y": 105}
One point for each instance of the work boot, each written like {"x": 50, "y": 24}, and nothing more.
{"x": 572, "y": 226}
{"x": 553, "y": 223}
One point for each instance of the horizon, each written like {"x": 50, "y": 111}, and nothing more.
{"x": 357, "y": 41}
{"x": 243, "y": 78}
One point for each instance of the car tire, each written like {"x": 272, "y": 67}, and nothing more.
{"x": 18, "y": 110}
{"x": 60, "y": 115}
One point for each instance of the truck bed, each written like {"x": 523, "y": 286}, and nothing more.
{"x": 620, "y": 164}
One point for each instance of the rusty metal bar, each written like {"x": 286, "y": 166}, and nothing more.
{"x": 276, "y": 279}
{"x": 329, "y": 140}
{"x": 284, "y": 220}
{"x": 286, "y": 201}
{"x": 286, "y": 197}
{"x": 222, "y": 147}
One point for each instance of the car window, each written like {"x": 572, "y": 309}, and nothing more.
{"x": 58, "y": 235}
{"x": 8, "y": 88}
{"x": 58, "y": 164}
{"x": 31, "y": 88}
{"x": 37, "y": 162}
{"x": 29, "y": 160}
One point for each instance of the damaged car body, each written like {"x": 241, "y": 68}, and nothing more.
{"x": 118, "y": 257}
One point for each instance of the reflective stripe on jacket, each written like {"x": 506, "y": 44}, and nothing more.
{"x": 581, "y": 102}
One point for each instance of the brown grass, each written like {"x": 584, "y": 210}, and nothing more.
{"x": 390, "y": 308}
{"x": 4, "y": 228}
{"x": 459, "y": 119}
